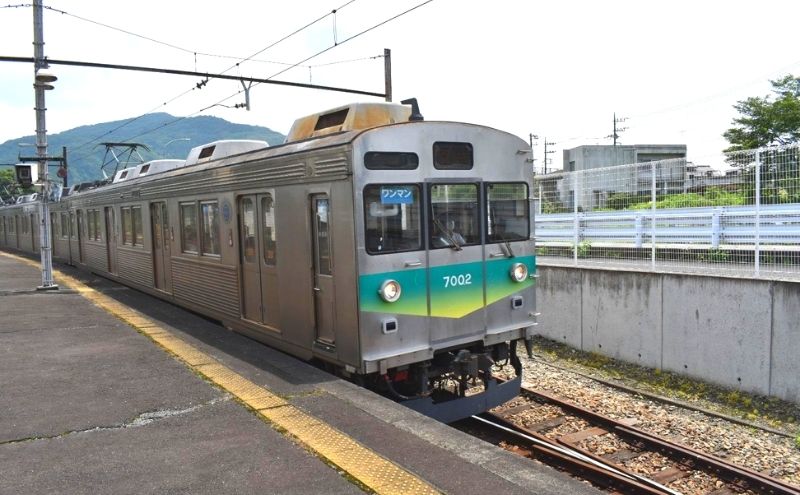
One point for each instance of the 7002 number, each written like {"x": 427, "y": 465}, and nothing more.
{"x": 457, "y": 280}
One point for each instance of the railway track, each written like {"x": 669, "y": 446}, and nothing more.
{"x": 567, "y": 438}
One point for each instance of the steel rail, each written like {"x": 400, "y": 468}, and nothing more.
{"x": 574, "y": 461}
{"x": 730, "y": 473}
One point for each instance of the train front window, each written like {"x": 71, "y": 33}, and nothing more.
{"x": 508, "y": 214}
{"x": 454, "y": 216}
{"x": 392, "y": 218}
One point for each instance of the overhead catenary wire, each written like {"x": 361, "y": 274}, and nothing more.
{"x": 407, "y": 11}
{"x": 197, "y": 87}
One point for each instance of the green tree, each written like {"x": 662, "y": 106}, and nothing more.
{"x": 769, "y": 120}
{"x": 8, "y": 183}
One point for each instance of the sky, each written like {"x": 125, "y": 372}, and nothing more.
{"x": 557, "y": 69}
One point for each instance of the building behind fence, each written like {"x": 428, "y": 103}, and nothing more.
{"x": 677, "y": 216}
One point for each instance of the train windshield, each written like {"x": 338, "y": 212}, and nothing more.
{"x": 454, "y": 216}
{"x": 393, "y": 218}
{"x": 507, "y": 212}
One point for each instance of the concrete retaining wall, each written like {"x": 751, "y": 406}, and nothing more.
{"x": 735, "y": 332}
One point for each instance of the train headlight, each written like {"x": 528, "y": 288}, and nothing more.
{"x": 519, "y": 272}
{"x": 390, "y": 290}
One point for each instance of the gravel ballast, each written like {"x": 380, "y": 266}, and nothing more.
{"x": 757, "y": 449}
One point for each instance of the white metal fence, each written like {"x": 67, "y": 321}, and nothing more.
{"x": 673, "y": 215}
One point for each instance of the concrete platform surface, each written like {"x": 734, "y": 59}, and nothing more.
{"x": 90, "y": 404}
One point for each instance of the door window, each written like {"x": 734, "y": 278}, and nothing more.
{"x": 249, "y": 247}
{"x": 455, "y": 216}
{"x": 269, "y": 236}
{"x": 323, "y": 237}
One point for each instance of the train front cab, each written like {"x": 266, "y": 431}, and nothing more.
{"x": 446, "y": 263}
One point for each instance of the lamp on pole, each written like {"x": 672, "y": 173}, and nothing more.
{"x": 164, "y": 149}
{"x": 43, "y": 80}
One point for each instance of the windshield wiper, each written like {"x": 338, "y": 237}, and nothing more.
{"x": 449, "y": 237}
{"x": 507, "y": 243}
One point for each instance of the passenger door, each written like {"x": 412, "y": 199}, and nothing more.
{"x": 455, "y": 261}
{"x": 323, "y": 269}
{"x": 111, "y": 239}
{"x": 34, "y": 232}
{"x": 258, "y": 259}
{"x": 268, "y": 260}
{"x": 159, "y": 224}
{"x": 79, "y": 234}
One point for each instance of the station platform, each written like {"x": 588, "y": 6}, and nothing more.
{"x": 104, "y": 389}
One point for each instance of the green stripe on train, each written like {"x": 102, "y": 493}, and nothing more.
{"x": 456, "y": 290}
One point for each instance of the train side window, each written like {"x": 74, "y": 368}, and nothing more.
{"x": 90, "y": 224}
{"x": 64, "y": 226}
{"x": 97, "y": 232}
{"x": 452, "y": 156}
{"x": 390, "y": 160}
{"x": 209, "y": 226}
{"x": 189, "y": 228}
{"x": 508, "y": 212}
{"x": 454, "y": 216}
{"x": 392, "y": 218}
{"x": 269, "y": 241}
{"x": 127, "y": 225}
{"x": 136, "y": 217}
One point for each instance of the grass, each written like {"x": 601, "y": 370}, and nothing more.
{"x": 769, "y": 411}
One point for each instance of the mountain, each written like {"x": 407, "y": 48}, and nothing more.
{"x": 164, "y": 135}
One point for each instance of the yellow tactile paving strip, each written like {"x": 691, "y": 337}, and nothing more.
{"x": 369, "y": 468}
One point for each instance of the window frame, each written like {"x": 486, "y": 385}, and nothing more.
{"x": 132, "y": 230}
{"x": 201, "y": 211}
{"x": 439, "y": 166}
{"x": 127, "y": 225}
{"x": 367, "y": 159}
{"x": 90, "y": 233}
{"x": 181, "y": 210}
{"x": 64, "y": 220}
{"x": 98, "y": 233}
{"x": 265, "y": 242}
{"x": 480, "y": 205}
{"x": 198, "y": 219}
{"x": 487, "y": 206}
{"x": 138, "y": 228}
{"x": 365, "y": 206}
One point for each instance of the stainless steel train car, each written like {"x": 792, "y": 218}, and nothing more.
{"x": 395, "y": 250}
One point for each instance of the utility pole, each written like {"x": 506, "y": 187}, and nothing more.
{"x": 546, "y": 152}
{"x": 387, "y": 73}
{"x": 43, "y": 79}
{"x": 617, "y": 130}
{"x": 532, "y": 159}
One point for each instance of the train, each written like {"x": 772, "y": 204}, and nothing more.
{"x": 392, "y": 250}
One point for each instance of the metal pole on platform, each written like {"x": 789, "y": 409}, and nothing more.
{"x": 757, "y": 251}
{"x": 575, "y": 221}
{"x": 653, "y": 197}
{"x": 42, "y": 80}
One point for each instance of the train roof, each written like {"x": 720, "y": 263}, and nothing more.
{"x": 335, "y": 127}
